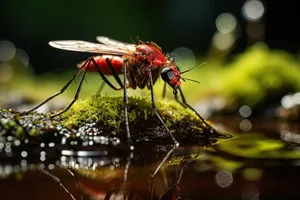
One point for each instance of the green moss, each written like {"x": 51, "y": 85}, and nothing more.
{"x": 258, "y": 74}
{"x": 104, "y": 116}
{"x": 110, "y": 111}
{"x": 34, "y": 132}
{"x": 20, "y": 133}
{"x": 8, "y": 125}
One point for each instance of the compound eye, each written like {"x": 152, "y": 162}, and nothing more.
{"x": 167, "y": 74}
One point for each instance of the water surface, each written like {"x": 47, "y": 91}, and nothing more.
{"x": 260, "y": 161}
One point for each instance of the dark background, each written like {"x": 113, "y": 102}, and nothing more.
{"x": 31, "y": 24}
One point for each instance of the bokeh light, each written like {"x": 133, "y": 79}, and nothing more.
{"x": 24, "y": 154}
{"x": 184, "y": 57}
{"x": 223, "y": 41}
{"x": 250, "y": 192}
{"x": 23, "y": 57}
{"x": 7, "y": 50}
{"x": 245, "y": 125}
{"x": 226, "y": 23}
{"x": 224, "y": 178}
{"x": 290, "y": 100}
{"x": 253, "y": 10}
{"x": 289, "y": 136}
{"x": 245, "y": 111}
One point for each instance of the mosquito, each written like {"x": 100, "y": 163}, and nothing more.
{"x": 141, "y": 64}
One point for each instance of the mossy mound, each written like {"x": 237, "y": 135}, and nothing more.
{"x": 106, "y": 114}
{"x": 259, "y": 74}
{"x": 100, "y": 121}
{"x": 258, "y": 78}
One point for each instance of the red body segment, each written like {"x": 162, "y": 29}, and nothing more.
{"x": 116, "y": 62}
{"x": 146, "y": 56}
{"x": 153, "y": 55}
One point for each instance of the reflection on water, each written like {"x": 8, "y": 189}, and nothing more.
{"x": 258, "y": 163}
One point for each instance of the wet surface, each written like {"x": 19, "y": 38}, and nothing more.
{"x": 260, "y": 161}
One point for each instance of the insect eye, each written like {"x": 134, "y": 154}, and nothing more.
{"x": 167, "y": 74}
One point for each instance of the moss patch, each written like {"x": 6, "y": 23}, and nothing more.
{"x": 100, "y": 120}
{"x": 110, "y": 110}
{"x": 108, "y": 114}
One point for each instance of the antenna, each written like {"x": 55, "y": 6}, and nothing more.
{"x": 188, "y": 79}
{"x": 189, "y": 69}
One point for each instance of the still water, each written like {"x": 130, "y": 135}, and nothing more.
{"x": 260, "y": 161}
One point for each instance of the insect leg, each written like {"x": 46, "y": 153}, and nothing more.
{"x": 114, "y": 73}
{"x": 126, "y": 103}
{"x": 125, "y": 176}
{"x": 164, "y": 90}
{"x": 131, "y": 78}
{"x": 212, "y": 130}
{"x": 103, "y": 76}
{"x": 62, "y": 90}
{"x": 75, "y": 97}
{"x": 100, "y": 88}
{"x": 157, "y": 169}
{"x": 57, "y": 180}
{"x": 155, "y": 109}
{"x": 162, "y": 162}
{"x": 176, "y": 98}
{"x": 76, "y": 183}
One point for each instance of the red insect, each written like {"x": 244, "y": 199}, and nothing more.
{"x": 141, "y": 64}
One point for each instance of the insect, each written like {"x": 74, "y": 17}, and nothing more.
{"x": 141, "y": 64}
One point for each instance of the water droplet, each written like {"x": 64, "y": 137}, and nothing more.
{"x": 24, "y": 154}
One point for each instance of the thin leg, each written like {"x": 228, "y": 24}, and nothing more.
{"x": 76, "y": 183}
{"x": 126, "y": 103}
{"x": 183, "y": 165}
{"x": 131, "y": 78}
{"x": 80, "y": 86}
{"x": 164, "y": 90}
{"x": 155, "y": 109}
{"x": 212, "y": 130}
{"x": 103, "y": 76}
{"x": 162, "y": 162}
{"x": 157, "y": 169}
{"x": 75, "y": 97}
{"x": 100, "y": 88}
{"x": 108, "y": 195}
{"x": 126, "y": 175}
{"x": 176, "y": 98}
{"x": 87, "y": 62}
{"x": 114, "y": 73}
{"x": 57, "y": 180}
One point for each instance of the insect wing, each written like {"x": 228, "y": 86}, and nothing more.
{"x": 115, "y": 43}
{"x": 83, "y": 46}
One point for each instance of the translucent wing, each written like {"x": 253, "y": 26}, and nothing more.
{"x": 83, "y": 46}
{"x": 115, "y": 43}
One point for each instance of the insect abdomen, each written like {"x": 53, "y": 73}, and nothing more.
{"x": 102, "y": 64}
